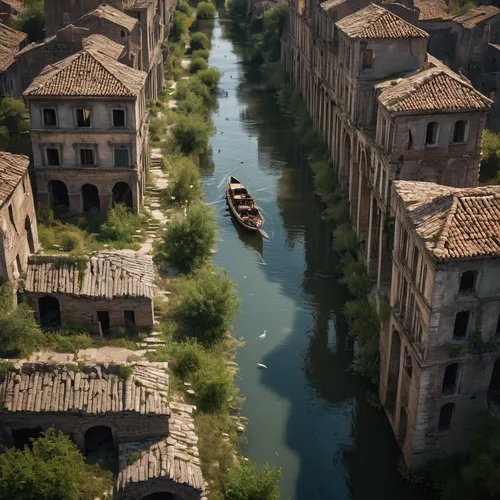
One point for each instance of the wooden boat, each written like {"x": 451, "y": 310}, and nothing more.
{"x": 242, "y": 205}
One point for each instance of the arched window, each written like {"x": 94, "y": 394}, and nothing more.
{"x": 460, "y": 131}
{"x": 451, "y": 379}
{"x": 431, "y": 134}
{"x": 468, "y": 281}
{"x": 445, "y": 417}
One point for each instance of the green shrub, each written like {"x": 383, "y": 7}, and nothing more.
{"x": 204, "y": 53}
{"x": 209, "y": 77}
{"x": 362, "y": 318}
{"x": 197, "y": 64}
{"x": 356, "y": 278}
{"x": 125, "y": 372}
{"x": 490, "y": 163}
{"x": 72, "y": 241}
{"x": 177, "y": 74}
{"x": 189, "y": 240}
{"x": 208, "y": 306}
{"x": 19, "y": 333}
{"x": 184, "y": 7}
{"x": 32, "y": 20}
{"x": 198, "y": 41}
{"x": 191, "y": 133}
{"x": 197, "y": 87}
{"x": 121, "y": 224}
{"x": 191, "y": 103}
{"x": 64, "y": 237}
{"x": 180, "y": 25}
{"x": 206, "y": 10}
{"x": 188, "y": 359}
{"x": 67, "y": 341}
{"x": 184, "y": 182}
{"x": 247, "y": 482}
{"x": 344, "y": 239}
{"x": 14, "y": 126}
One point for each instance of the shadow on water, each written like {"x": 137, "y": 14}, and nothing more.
{"x": 307, "y": 411}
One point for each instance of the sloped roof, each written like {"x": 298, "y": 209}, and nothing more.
{"x": 107, "y": 275}
{"x": 475, "y": 16}
{"x": 432, "y": 10}
{"x": 374, "y": 22}
{"x": 454, "y": 223}
{"x": 435, "y": 89}
{"x": 112, "y": 15}
{"x": 10, "y": 39}
{"x": 104, "y": 45}
{"x": 88, "y": 73}
{"x": 12, "y": 169}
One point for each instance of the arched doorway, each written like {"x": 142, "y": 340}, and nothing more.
{"x": 50, "y": 313}
{"x": 123, "y": 194}
{"x": 494, "y": 388}
{"x": 99, "y": 446}
{"x": 393, "y": 376}
{"x": 90, "y": 198}
{"x": 22, "y": 437}
{"x": 29, "y": 234}
{"x": 59, "y": 199}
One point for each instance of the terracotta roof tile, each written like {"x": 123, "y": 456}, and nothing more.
{"x": 104, "y": 45}
{"x": 435, "y": 89}
{"x": 454, "y": 223}
{"x": 10, "y": 39}
{"x": 88, "y": 73}
{"x": 114, "y": 16}
{"x": 432, "y": 10}
{"x": 378, "y": 23}
{"x": 475, "y": 16}
{"x": 17, "y": 5}
{"x": 12, "y": 169}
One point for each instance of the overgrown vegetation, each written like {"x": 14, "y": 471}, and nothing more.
{"x": 32, "y": 20}
{"x": 197, "y": 64}
{"x": 248, "y": 482}
{"x": 490, "y": 164}
{"x": 52, "y": 467}
{"x": 14, "y": 126}
{"x": 191, "y": 133}
{"x": 206, "y": 10}
{"x": 199, "y": 40}
{"x": 184, "y": 186}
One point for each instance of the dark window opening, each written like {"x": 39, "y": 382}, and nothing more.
{"x": 367, "y": 58}
{"x": 408, "y": 366}
{"x": 445, "y": 417}
{"x": 91, "y": 201}
{"x": 50, "y": 313}
{"x": 459, "y": 131}
{"x": 461, "y": 325}
{"x": 122, "y": 158}
{"x": 129, "y": 318}
{"x": 494, "y": 388}
{"x": 414, "y": 265}
{"x": 431, "y": 133}
{"x": 497, "y": 332}
{"x": 87, "y": 156}
{"x": 29, "y": 234}
{"x": 118, "y": 118}
{"x": 410, "y": 140}
{"x": 467, "y": 281}
{"x": 18, "y": 264}
{"x": 122, "y": 194}
{"x": 450, "y": 379}
{"x": 24, "y": 185}
{"x": 59, "y": 196}
{"x": 103, "y": 320}
{"x": 21, "y": 438}
{"x": 123, "y": 34}
{"x": 83, "y": 117}
{"x": 52, "y": 157}
{"x": 49, "y": 117}
{"x": 11, "y": 217}
{"x": 99, "y": 447}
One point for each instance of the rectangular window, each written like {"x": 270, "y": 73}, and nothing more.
{"x": 414, "y": 265}
{"x": 49, "y": 117}
{"x": 87, "y": 156}
{"x": 461, "y": 329}
{"x": 405, "y": 246}
{"x": 367, "y": 58}
{"x": 83, "y": 117}
{"x": 424, "y": 279}
{"x": 118, "y": 118}
{"x": 129, "y": 318}
{"x": 52, "y": 156}
{"x": 122, "y": 158}
{"x": 11, "y": 217}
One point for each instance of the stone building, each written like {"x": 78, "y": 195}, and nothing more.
{"x": 111, "y": 290}
{"x": 89, "y": 132}
{"x": 126, "y": 422}
{"x": 11, "y": 41}
{"x": 439, "y": 368}
{"x": 18, "y": 231}
{"x": 10, "y": 9}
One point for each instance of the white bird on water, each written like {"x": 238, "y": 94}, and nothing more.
{"x": 260, "y": 365}
{"x": 263, "y": 336}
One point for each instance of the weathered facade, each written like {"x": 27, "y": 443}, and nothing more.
{"x": 111, "y": 290}
{"x": 18, "y": 231}
{"x": 439, "y": 369}
{"x": 11, "y": 41}
{"x": 89, "y": 132}
{"x": 152, "y": 439}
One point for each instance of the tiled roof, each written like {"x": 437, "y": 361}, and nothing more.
{"x": 475, "y": 16}
{"x": 330, "y": 4}
{"x": 107, "y": 275}
{"x": 104, "y": 45}
{"x": 12, "y": 169}
{"x": 97, "y": 389}
{"x": 17, "y": 5}
{"x": 435, "y": 89}
{"x": 10, "y": 40}
{"x": 432, "y": 10}
{"x": 454, "y": 223}
{"x": 378, "y": 23}
{"x": 114, "y": 16}
{"x": 88, "y": 73}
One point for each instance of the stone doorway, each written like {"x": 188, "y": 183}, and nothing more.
{"x": 49, "y": 313}
{"x": 103, "y": 321}
{"x": 90, "y": 199}
{"x": 494, "y": 388}
{"x": 59, "y": 198}
{"x": 22, "y": 437}
{"x": 99, "y": 447}
{"x": 123, "y": 194}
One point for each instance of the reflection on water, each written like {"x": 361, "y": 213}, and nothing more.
{"x": 307, "y": 411}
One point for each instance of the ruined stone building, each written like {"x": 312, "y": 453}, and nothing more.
{"x": 10, "y": 9}
{"x": 18, "y": 231}
{"x": 11, "y": 41}
{"x": 439, "y": 356}
{"x": 131, "y": 424}
{"x": 89, "y": 133}
{"x": 388, "y": 111}
{"x": 110, "y": 291}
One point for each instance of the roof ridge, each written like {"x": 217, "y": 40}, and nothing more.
{"x": 96, "y": 54}
{"x": 443, "y": 237}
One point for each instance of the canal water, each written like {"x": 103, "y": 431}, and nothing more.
{"x": 307, "y": 411}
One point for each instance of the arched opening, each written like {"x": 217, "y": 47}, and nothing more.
{"x": 160, "y": 496}
{"x": 123, "y": 194}
{"x": 451, "y": 379}
{"x": 445, "y": 417}
{"x": 468, "y": 282}
{"x": 22, "y": 437}
{"x": 393, "y": 376}
{"x": 29, "y": 234}
{"x": 431, "y": 134}
{"x": 99, "y": 447}
{"x": 90, "y": 198}
{"x": 59, "y": 199}
{"x": 459, "y": 131}
{"x": 50, "y": 313}
{"x": 494, "y": 388}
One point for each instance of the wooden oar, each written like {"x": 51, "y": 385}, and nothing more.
{"x": 263, "y": 233}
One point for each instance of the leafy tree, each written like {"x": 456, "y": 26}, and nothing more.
{"x": 183, "y": 6}
{"x": 247, "y": 482}
{"x": 189, "y": 240}
{"x": 209, "y": 77}
{"x": 180, "y": 25}
{"x": 14, "y": 123}
{"x": 53, "y": 469}
{"x": 191, "y": 133}
{"x": 19, "y": 332}
{"x": 32, "y": 20}
{"x": 206, "y": 10}
{"x": 199, "y": 41}
{"x": 208, "y": 306}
